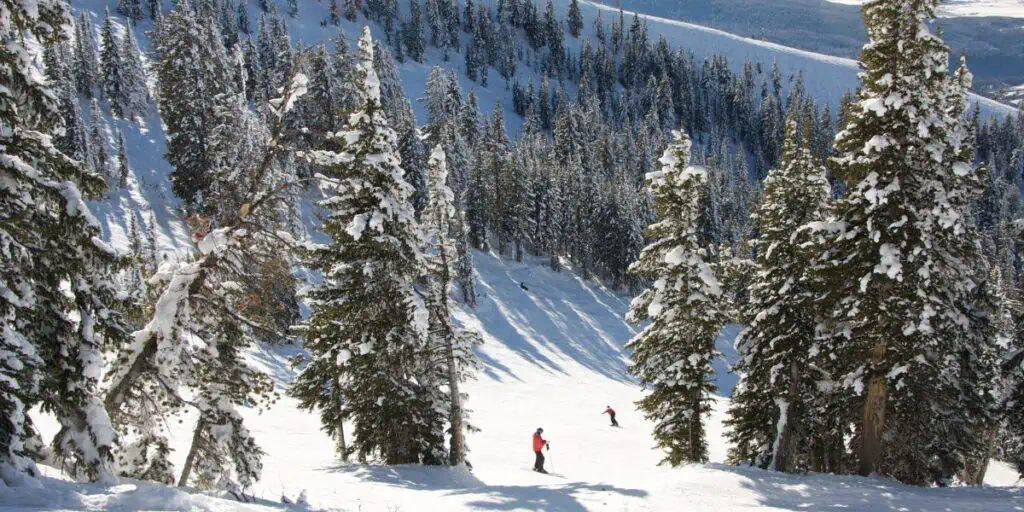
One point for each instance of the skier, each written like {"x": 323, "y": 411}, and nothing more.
{"x": 611, "y": 412}
{"x": 538, "y": 444}
{"x": 523, "y": 286}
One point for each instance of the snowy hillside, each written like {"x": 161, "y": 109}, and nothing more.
{"x": 553, "y": 358}
{"x": 962, "y": 8}
{"x": 826, "y": 78}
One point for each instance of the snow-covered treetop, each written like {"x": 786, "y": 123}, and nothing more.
{"x": 25, "y": 98}
{"x": 365, "y": 65}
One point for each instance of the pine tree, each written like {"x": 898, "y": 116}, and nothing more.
{"x": 684, "y": 308}
{"x": 206, "y": 315}
{"x": 122, "y": 162}
{"x": 113, "y": 68}
{"x": 368, "y": 324}
{"x": 136, "y": 91}
{"x": 130, "y": 9}
{"x": 293, "y": 8}
{"x": 901, "y": 269}
{"x": 243, "y": 18}
{"x": 454, "y": 343}
{"x": 575, "y": 19}
{"x": 772, "y": 401}
{"x": 86, "y": 63}
{"x": 100, "y": 162}
{"x": 191, "y": 71}
{"x": 351, "y": 10}
{"x": 57, "y": 311}
{"x": 415, "y": 43}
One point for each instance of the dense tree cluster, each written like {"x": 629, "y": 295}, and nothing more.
{"x": 714, "y": 193}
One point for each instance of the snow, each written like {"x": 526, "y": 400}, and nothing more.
{"x": 968, "y": 8}
{"x": 552, "y": 358}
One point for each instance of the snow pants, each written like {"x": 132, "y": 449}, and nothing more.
{"x": 539, "y": 463}
{"x": 614, "y": 423}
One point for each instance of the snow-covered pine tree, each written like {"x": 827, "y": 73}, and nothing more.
{"x": 122, "y": 162}
{"x": 684, "y": 310}
{"x": 130, "y": 9}
{"x": 203, "y": 320}
{"x": 113, "y": 83}
{"x": 449, "y": 123}
{"x": 901, "y": 270}
{"x": 99, "y": 160}
{"x": 192, "y": 70}
{"x": 136, "y": 91}
{"x": 86, "y": 63}
{"x": 368, "y": 325}
{"x": 774, "y": 397}
{"x": 450, "y": 348}
{"x": 574, "y": 19}
{"x": 52, "y": 333}
{"x": 415, "y": 43}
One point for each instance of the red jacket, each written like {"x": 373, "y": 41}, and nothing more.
{"x": 538, "y": 442}
{"x": 609, "y": 411}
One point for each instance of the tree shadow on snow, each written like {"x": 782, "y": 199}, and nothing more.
{"x": 560, "y": 498}
{"x": 818, "y": 491}
{"x": 460, "y": 482}
{"x": 558, "y": 315}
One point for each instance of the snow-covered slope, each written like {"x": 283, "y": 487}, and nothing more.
{"x": 553, "y": 358}
{"x": 969, "y": 8}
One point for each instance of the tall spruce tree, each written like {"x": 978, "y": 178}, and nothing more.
{"x": 683, "y": 310}
{"x": 113, "y": 83}
{"x": 368, "y": 324}
{"x": 900, "y": 270}
{"x": 777, "y": 378}
{"x": 450, "y": 347}
{"x": 57, "y": 305}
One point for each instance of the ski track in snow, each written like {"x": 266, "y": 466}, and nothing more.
{"x": 553, "y": 357}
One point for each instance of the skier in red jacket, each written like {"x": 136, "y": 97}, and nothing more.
{"x": 538, "y": 445}
{"x": 611, "y": 412}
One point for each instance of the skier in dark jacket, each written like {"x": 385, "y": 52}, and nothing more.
{"x": 538, "y": 445}
{"x": 611, "y": 412}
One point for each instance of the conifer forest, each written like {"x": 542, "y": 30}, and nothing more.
{"x": 211, "y": 209}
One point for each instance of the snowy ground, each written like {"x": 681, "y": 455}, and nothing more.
{"x": 553, "y": 358}
{"x": 971, "y": 8}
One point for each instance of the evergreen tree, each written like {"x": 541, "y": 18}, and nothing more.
{"x": 191, "y": 71}
{"x": 774, "y": 397}
{"x": 113, "y": 68}
{"x": 58, "y": 308}
{"x": 122, "y": 162}
{"x": 130, "y": 9}
{"x": 368, "y": 324}
{"x": 415, "y": 43}
{"x": 454, "y": 343}
{"x": 901, "y": 270}
{"x": 86, "y": 64}
{"x": 351, "y": 10}
{"x": 136, "y": 92}
{"x": 684, "y": 308}
{"x": 243, "y": 18}
{"x": 293, "y": 8}
{"x": 98, "y": 140}
{"x": 575, "y": 19}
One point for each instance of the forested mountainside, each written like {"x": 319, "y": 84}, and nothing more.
{"x": 187, "y": 182}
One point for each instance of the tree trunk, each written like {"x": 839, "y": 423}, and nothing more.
{"x": 976, "y": 467}
{"x": 781, "y": 461}
{"x": 190, "y": 460}
{"x": 457, "y": 455}
{"x": 873, "y": 422}
{"x": 342, "y": 445}
{"x": 695, "y": 426}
